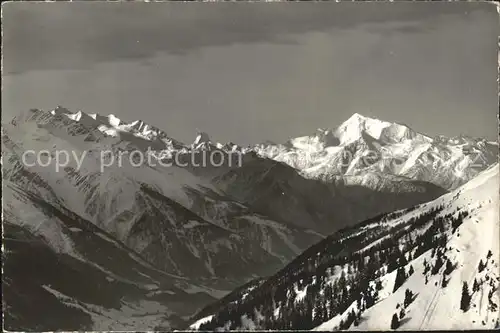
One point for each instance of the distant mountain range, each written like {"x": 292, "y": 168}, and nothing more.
{"x": 171, "y": 240}
{"x": 363, "y": 145}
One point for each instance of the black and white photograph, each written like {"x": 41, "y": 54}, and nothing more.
{"x": 244, "y": 166}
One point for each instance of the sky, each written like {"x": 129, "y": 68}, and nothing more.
{"x": 252, "y": 72}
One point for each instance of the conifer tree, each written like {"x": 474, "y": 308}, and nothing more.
{"x": 400, "y": 278}
{"x": 475, "y": 286}
{"x": 439, "y": 263}
{"x": 394, "y": 322}
{"x": 408, "y": 297}
{"x": 480, "y": 267}
{"x": 465, "y": 300}
{"x": 449, "y": 267}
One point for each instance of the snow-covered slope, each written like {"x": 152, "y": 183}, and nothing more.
{"x": 176, "y": 219}
{"x": 434, "y": 266}
{"x": 436, "y": 307}
{"x": 61, "y": 272}
{"x": 363, "y": 145}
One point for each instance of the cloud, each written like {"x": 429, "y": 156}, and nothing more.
{"x": 76, "y": 35}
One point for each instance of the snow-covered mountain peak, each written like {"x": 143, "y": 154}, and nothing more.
{"x": 358, "y": 117}
{"x": 85, "y": 119}
{"x": 229, "y": 147}
{"x": 137, "y": 124}
{"x": 93, "y": 120}
{"x": 114, "y": 121}
{"x": 76, "y": 116}
{"x": 141, "y": 126}
{"x": 360, "y": 120}
{"x": 357, "y": 128}
{"x": 357, "y": 125}
{"x": 201, "y": 137}
{"x": 201, "y": 141}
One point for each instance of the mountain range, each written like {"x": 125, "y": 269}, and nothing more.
{"x": 142, "y": 246}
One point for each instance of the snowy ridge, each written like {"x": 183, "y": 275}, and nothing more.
{"x": 113, "y": 126}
